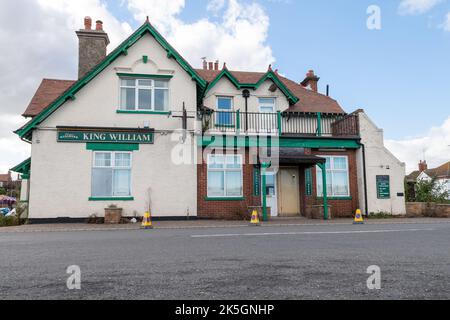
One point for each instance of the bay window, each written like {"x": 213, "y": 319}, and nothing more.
{"x": 144, "y": 94}
{"x": 111, "y": 174}
{"x": 225, "y": 176}
{"x": 337, "y": 172}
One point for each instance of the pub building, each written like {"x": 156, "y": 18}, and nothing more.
{"x": 141, "y": 128}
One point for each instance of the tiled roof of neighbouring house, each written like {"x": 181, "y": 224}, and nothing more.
{"x": 5, "y": 177}
{"x": 443, "y": 171}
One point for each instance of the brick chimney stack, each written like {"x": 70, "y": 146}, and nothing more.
{"x": 311, "y": 80}
{"x": 92, "y": 46}
{"x": 423, "y": 165}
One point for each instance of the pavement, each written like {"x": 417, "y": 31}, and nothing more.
{"x": 283, "y": 259}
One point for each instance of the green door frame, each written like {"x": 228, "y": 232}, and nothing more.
{"x": 324, "y": 187}
{"x": 264, "y": 167}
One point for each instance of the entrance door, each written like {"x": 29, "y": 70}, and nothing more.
{"x": 289, "y": 192}
{"x": 271, "y": 192}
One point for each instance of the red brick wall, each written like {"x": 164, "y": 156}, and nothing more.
{"x": 226, "y": 209}
{"x": 340, "y": 208}
{"x": 238, "y": 209}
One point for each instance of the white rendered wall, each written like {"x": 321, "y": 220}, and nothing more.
{"x": 379, "y": 161}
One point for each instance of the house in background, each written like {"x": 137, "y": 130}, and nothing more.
{"x": 5, "y": 179}
{"x": 441, "y": 174}
{"x": 141, "y": 127}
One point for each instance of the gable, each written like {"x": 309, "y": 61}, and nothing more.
{"x": 122, "y": 49}
{"x": 270, "y": 75}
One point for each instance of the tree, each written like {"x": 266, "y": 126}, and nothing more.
{"x": 431, "y": 191}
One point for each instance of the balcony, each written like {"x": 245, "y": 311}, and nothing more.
{"x": 300, "y": 124}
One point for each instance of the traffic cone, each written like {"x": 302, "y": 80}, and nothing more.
{"x": 358, "y": 218}
{"x": 255, "y": 218}
{"x": 147, "y": 221}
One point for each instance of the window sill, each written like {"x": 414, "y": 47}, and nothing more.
{"x": 335, "y": 198}
{"x": 144, "y": 112}
{"x": 224, "y": 199}
{"x": 111, "y": 198}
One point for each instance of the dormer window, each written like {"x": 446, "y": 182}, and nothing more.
{"x": 144, "y": 94}
{"x": 267, "y": 105}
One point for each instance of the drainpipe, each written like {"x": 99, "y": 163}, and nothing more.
{"x": 246, "y": 95}
{"x": 365, "y": 178}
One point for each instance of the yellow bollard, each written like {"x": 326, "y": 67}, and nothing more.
{"x": 255, "y": 218}
{"x": 147, "y": 221}
{"x": 358, "y": 218}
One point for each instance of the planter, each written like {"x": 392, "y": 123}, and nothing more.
{"x": 113, "y": 215}
{"x": 317, "y": 212}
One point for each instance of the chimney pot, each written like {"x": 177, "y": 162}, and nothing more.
{"x": 210, "y": 66}
{"x": 216, "y": 65}
{"x": 205, "y": 64}
{"x": 87, "y": 23}
{"x": 99, "y": 25}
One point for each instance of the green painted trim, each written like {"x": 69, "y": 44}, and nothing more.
{"x": 238, "y": 122}
{"x": 145, "y": 59}
{"x": 145, "y": 76}
{"x": 167, "y": 113}
{"x": 111, "y": 198}
{"x": 324, "y": 187}
{"x": 93, "y": 146}
{"x": 335, "y": 198}
{"x": 25, "y": 176}
{"x": 319, "y": 124}
{"x": 270, "y": 75}
{"x": 26, "y": 131}
{"x": 23, "y": 167}
{"x": 233, "y": 141}
{"x": 224, "y": 199}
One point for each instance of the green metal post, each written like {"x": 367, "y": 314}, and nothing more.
{"x": 279, "y": 123}
{"x": 264, "y": 194}
{"x": 264, "y": 167}
{"x": 324, "y": 187}
{"x": 319, "y": 124}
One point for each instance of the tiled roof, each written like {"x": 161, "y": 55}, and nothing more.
{"x": 309, "y": 101}
{"x": 48, "y": 91}
{"x": 442, "y": 171}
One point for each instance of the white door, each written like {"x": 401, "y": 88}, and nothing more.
{"x": 271, "y": 192}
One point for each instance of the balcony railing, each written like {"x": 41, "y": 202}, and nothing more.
{"x": 280, "y": 123}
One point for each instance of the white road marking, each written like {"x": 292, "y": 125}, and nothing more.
{"x": 303, "y": 233}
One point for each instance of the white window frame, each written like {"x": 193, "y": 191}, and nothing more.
{"x": 332, "y": 169}
{"x": 113, "y": 167}
{"x": 224, "y": 110}
{"x": 225, "y": 170}
{"x": 136, "y": 88}
{"x": 262, "y": 105}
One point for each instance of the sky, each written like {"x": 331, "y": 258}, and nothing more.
{"x": 392, "y": 62}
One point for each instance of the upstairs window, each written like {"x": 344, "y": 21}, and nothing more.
{"x": 224, "y": 108}
{"x": 144, "y": 95}
{"x": 267, "y": 105}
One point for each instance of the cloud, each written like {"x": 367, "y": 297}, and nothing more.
{"x": 238, "y": 38}
{"x": 413, "y": 7}
{"x": 446, "y": 25}
{"x": 38, "y": 40}
{"x": 434, "y": 144}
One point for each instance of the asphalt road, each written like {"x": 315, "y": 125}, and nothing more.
{"x": 289, "y": 262}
